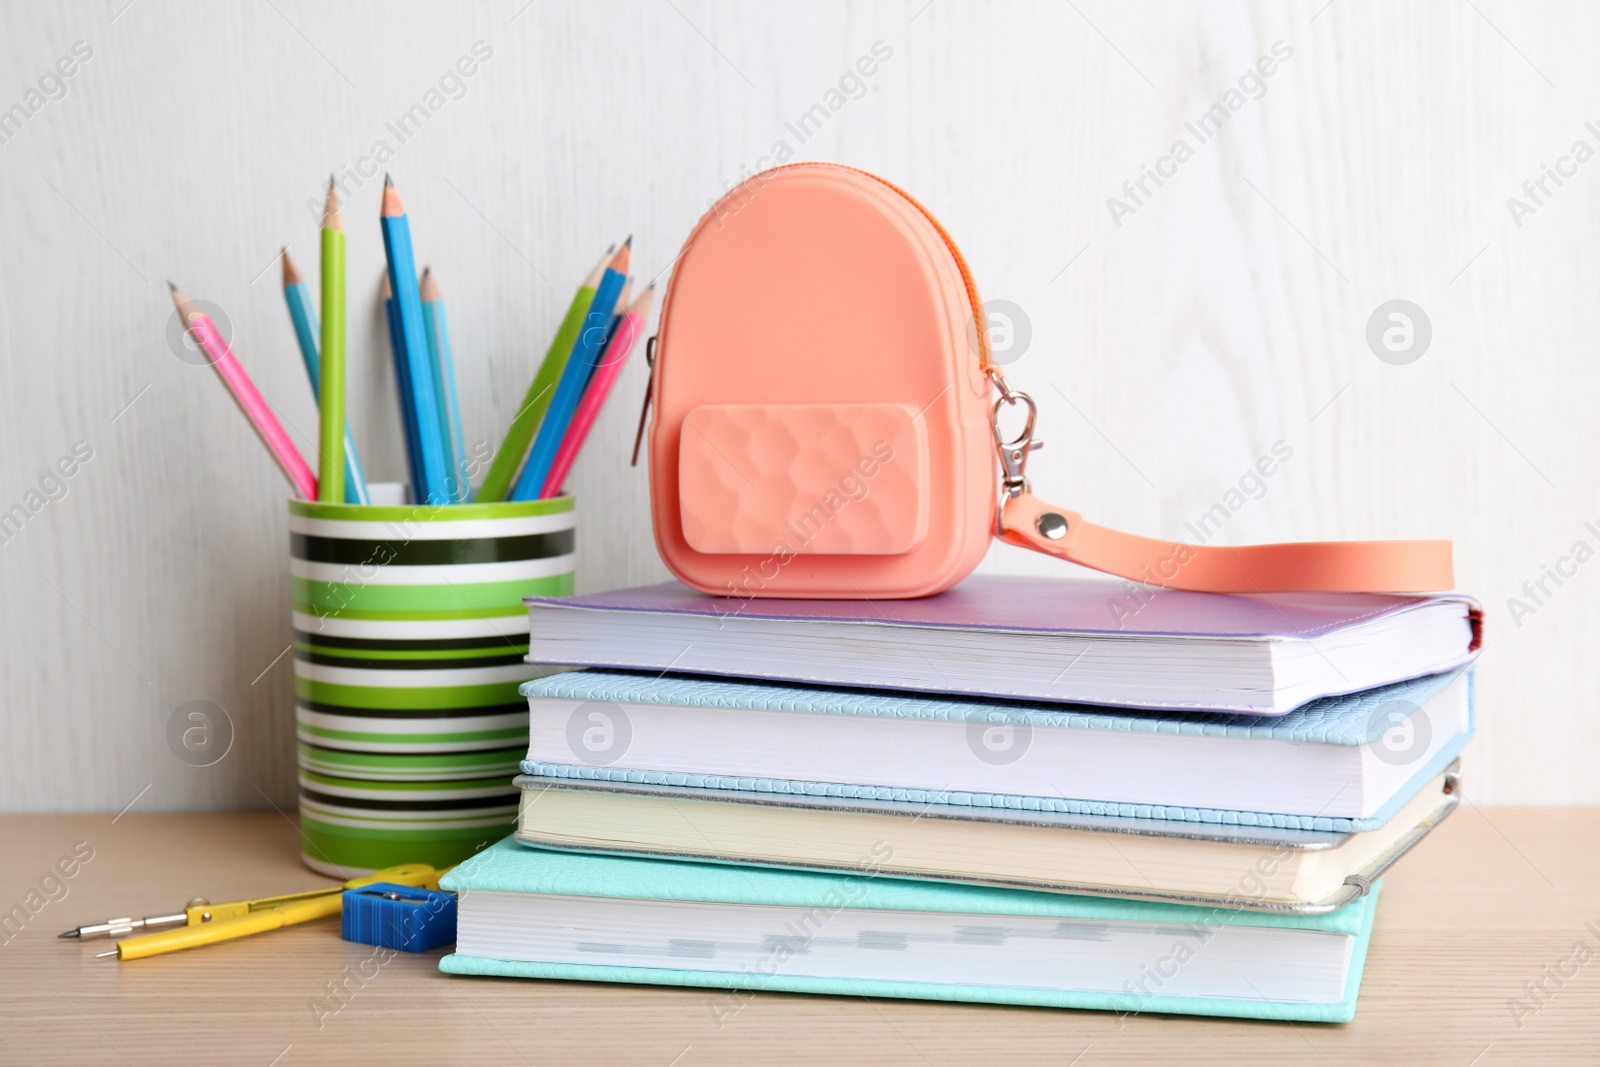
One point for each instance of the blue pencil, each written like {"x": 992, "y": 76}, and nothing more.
{"x": 434, "y": 472}
{"x": 611, "y": 331}
{"x": 569, "y": 390}
{"x": 437, "y": 325}
{"x": 403, "y": 385}
{"x": 298, "y": 297}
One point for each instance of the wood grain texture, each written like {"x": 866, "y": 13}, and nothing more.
{"x": 1495, "y": 898}
{"x": 1228, "y": 312}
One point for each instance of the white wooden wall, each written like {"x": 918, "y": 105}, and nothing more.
{"x": 1228, "y": 312}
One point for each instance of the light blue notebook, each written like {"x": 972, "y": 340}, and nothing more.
{"x": 531, "y": 913}
{"x": 1342, "y": 764}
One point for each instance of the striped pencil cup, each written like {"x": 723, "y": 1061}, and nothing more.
{"x": 409, "y": 638}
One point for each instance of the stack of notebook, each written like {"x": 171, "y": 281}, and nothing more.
{"x": 1021, "y": 791}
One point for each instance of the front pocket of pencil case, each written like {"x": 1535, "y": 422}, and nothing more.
{"x": 813, "y": 479}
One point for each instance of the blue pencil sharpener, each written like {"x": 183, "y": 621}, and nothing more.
{"x": 398, "y": 916}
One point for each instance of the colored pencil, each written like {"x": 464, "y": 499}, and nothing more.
{"x": 623, "y": 339}
{"x": 437, "y": 325}
{"x": 502, "y": 473}
{"x": 244, "y": 393}
{"x": 298, "y": 296}
{"x": 434, "y": 471}
{"x": 569, "y": 390}
{"x": 403, "y": 387}
{"x": 330, "y": 398}
{"x": 605, "y": 345}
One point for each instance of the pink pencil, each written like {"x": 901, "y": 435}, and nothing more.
{"x": 245, "y": 394}
{"x": 594, "y": 395}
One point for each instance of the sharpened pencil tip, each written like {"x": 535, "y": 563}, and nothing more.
{"x": 428, "y": 288}
{"x": 388, "y": 180}
{"x": 331, "y": 182}
{"x": 70, "y": 933}
{"x": 170, "y": 287}
{"x": 629, "y": 242}
{"x": 332, "y": 213}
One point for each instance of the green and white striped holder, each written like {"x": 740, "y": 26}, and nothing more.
{"x": 409, "y": 638}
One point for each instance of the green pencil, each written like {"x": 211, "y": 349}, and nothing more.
{"x": 503, "y": 471}
{"x": 330, "y": 395}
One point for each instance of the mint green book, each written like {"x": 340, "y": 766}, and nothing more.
{"x": 530, "y": 913}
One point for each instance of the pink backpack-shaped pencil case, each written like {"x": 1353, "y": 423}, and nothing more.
{"x": 827, "y": 419}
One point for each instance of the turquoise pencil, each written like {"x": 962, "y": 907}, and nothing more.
{"x": 437, "y": 325}
{"x": 306, "y": 332}
{"x": 408, "y": 431}
{"x": 434, "y": 472}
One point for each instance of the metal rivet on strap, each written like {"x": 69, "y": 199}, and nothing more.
{"x": 1051, "y": 525}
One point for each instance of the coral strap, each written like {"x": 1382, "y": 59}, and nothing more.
{"x": 1302, "y": 567}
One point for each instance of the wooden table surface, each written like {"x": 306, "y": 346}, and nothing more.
{"x": 1497, "y": 901}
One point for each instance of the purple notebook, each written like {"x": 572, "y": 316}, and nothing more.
{"x": 1066, "y": 639}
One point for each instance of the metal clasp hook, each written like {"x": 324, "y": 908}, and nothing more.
{"x": 1014, "y": 453}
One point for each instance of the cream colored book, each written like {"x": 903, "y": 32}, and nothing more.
{"x": 1258, "y": 869}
